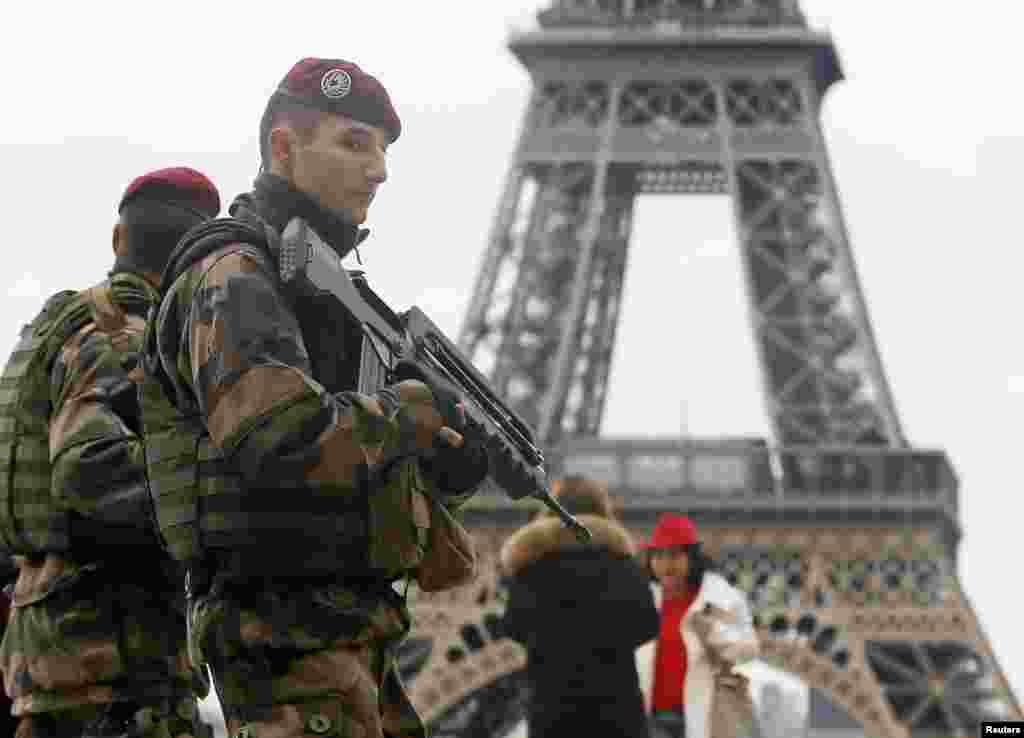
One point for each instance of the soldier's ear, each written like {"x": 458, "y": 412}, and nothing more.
{"x": 282, "y": 141}
{"x": 116, "y": 240}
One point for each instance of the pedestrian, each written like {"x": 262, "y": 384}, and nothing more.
{"x": 706, "y": 629}
{"x": 580, "y": 611}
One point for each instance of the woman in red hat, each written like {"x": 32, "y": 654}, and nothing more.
{"x": 705, "y": 625}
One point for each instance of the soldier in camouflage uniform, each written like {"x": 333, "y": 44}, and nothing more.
{"x": 287, "y": 493}
{"x": 94, "y": 646}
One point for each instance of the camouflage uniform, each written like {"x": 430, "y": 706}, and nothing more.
{"x": 94, "y": 642}
{"x": 298, "y": 628}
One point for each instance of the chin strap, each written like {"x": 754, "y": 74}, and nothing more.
{"x": 361, "y": 235}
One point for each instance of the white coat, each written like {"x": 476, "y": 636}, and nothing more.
{"x": 732, "y": 639}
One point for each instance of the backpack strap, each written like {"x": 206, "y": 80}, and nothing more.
{"x": 121, "y": 295}
{"x": 60, "y": 320}
{"x": 207, "y": 237}
{"x": 105, "y": 313}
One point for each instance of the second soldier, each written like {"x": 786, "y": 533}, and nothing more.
{"x": 94, "y": 645}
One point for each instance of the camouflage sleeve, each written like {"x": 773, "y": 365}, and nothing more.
{"x": 95, "y": 450}
{"x": 251, "y": 376}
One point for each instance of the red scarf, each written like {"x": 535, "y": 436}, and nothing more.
{"x": 670, "y": 655}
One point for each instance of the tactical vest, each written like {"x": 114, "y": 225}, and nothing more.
{"x": 32, "y": 520}
{"x": 203, "y": 505}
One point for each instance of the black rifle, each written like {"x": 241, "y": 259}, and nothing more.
{"x": 516, "y": 463}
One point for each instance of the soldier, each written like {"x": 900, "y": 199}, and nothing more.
{"x": 94, "y": 643}
{"x": 298, "y": 503}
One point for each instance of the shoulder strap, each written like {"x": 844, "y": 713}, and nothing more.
{"x": 62, "y": 316}
{"x": 206, "y": 238}
{"x": 55, "y": 311}
{"x": 132, "y": 294}
{"x": 112, "y": 301}
{"x": 195, "y": 245}
{"x": 57, "y": 324}
{"x": 107, "y": 316}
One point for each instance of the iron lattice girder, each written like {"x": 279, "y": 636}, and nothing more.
{"x": 596, "y": 138}
{"x": 934, "y": 687}
{"x": 690, "y": 180}
{"x": 794, "y": 319}
{"x": 665, "y": 122}
{"x": 579, "y": 104}
{"x": 769, "y": 102}
{"x": 499, "y": 248}
{"x": 686, "y": 102}
{"x": 824, "y": 374}
{"x": 533, "y": 324}
{"x": 817, "y": 367}
{"x": 588, "y": 387}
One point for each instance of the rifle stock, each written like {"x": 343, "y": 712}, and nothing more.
{"x": 516, "y": 462}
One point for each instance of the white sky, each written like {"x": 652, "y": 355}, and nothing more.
{"x": 924, "y": 136}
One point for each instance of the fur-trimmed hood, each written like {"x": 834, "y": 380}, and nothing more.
{"x": 547, "y": 535}
{"x": 580, "y": 611}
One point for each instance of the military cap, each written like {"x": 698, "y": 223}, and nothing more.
{"x": 339, "y": 87}
{"x": 180, "y": 185}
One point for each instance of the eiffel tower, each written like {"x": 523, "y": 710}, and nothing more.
{"x": 842, "y": 533}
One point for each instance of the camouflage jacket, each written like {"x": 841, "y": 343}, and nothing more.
{"x": 65, "y": 645}
{"x": 76, "y": 471}
{"x": 262, "y": 386}
{"x": 95, "y": 443}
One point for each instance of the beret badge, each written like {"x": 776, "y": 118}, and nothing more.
{"x": 336, "y": 84}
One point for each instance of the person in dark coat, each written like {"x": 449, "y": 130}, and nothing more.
{"x": 580, "y": 611}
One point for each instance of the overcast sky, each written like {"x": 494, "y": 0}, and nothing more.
{"x": 924, "y": 135}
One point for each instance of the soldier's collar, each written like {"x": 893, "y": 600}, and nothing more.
{"x": 133, "y": 291}
{"x": 275, "y": 201}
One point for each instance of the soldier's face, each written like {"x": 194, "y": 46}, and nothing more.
{"x": 342, "y": 165}
{"x": 671, "y": 566}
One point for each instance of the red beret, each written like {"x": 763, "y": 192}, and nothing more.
{"x": 176, "y": 184}
{"x": 339, "y": 87}
{"x": 673, "y": 529}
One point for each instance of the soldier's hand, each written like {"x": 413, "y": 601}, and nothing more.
{"x": 421, "y": 423}
{"x": 447, "y": 399}
{"x": 460, "y": 460}
{"x": 447, "y": 437}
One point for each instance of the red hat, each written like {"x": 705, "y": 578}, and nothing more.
{"x": 672, "y": 529}
{"x": 339, "y": 87}
{"x": 180, "y": 185}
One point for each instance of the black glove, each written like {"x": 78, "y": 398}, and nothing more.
{"x": 458, "y": 470}
{"x": 453, "y": 470}
{"x": 447, "y": 400}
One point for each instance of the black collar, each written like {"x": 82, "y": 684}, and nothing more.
{"x": 275, "y": 201}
